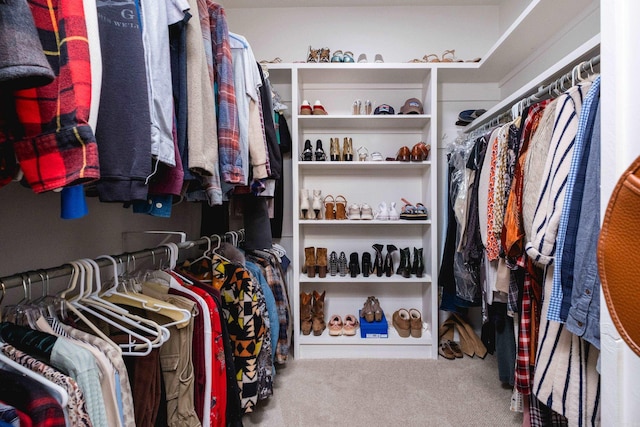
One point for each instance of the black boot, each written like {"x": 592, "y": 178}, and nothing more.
{"x": 388, "y": 260}
{"x": 417, "y": 267}
{"x": 367, "y": 268}
{"x": 307, "y": 153}
{"x": 378, "y": 264}
{"x": 405, "y": 263}
{"x": 320, "y": 155}
{"x": 354, "y": 264}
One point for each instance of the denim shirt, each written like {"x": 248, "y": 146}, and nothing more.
{"x": 584, "y": 311}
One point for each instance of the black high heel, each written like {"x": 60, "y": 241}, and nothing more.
{"x": 417, "y": 267}
{"x": 354, "y": 264}
{"x": 366, "y": 264}
{"x": 405, "y": 263}
{"x": 320, "y": 154}
{"x": 307, "y": 153}
{"x": 378, "y": 265}
{"x": 388, "y": 260}
{"x": 343, "y": 267}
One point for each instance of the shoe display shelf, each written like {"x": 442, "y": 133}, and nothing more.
{"x": 370, "y": 182}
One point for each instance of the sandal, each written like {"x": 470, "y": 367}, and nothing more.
{"x": 432, "y": 57}
{"x": 329, "y": 207}
{"x": 411, "y": 212}
{"x": 341, "y": 207}
{"x": 337, "y": 56}
{"x": 325, "y": 55}
{"x": 335, "y": 325}
{"x": 451, "y": 56}
{"x": 348, "y": 57}
{"x": 363, "y": 153}
{"x": 313, "y": 55}
{"x": 350, "y": 325}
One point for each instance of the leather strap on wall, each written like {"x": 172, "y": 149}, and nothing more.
{"x": 618, "y": 263}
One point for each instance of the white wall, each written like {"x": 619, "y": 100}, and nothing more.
{"x": 399, "y": 33}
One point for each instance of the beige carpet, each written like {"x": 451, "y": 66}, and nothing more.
{"x": 373, "y": 392}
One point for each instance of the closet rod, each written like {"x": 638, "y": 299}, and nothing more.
{"x": 42, "y": 275}
{"x": 544, "y": 92}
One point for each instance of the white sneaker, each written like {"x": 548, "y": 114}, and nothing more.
{"x": 393, "y": 212}
{"x": 354, "y": 212}
{"x": 382, "y": 213}
{"x": 366, "y": 212}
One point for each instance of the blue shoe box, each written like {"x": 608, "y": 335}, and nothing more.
{"x": 374, "y": 329}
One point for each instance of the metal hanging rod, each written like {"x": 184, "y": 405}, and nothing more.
{"x": 546, "y": 91}
{"x": 38, "y": 276}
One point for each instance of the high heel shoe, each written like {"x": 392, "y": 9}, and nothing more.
{"x": 334, "y": 150}
{"x": 342, "y": 264}
{"x": 316, "y": 204}
{"x": 347, "y": 149}
{"x": 388, "y": 260}
{"x": 333, "y": 263}
{"x": 417, "y": 267}
{"x": 320, "y": 154}
{"x": 309, "y": 261}
{"x": 366, "y": 264}
{"x": 354, "y": 264}
{"x": 378, "y": 265}
{"x": 404, "y": 268}
{"x": 307, "y": 152}
{"x": 321, "y": 262}
{"x": 304, "y": 203}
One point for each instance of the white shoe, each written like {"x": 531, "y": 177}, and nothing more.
{"x": 383, "y": 213}
{"x": 366, "y": 212}
{"x": 316, "y": 204}
{"x": 304, "y": 203}
{"x": 393, "y": 212}
{"x": 354, "y": 212}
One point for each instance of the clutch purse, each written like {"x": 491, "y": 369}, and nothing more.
{"x": 619, "y": 271}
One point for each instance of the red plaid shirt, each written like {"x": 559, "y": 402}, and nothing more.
{"x": 56, "y": 147}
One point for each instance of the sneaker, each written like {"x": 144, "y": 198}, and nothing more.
{"x": 366, "y": 212}
{"x": 318, "y": 109}
{"x": 305, "y": 108}
{"x": 393, "y": 212}
{"x": 354, "y": 212}
{"x": 383, "y": 213}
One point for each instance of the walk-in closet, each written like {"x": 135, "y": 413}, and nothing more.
{"x": 338, "y": 213}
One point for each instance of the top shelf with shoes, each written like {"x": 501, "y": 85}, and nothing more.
{"x": 358, "y": 122}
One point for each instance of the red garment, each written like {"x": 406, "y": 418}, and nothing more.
{"x": 57, "y": 147}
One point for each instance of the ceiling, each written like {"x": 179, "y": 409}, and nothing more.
{"x": 253, "y": 4}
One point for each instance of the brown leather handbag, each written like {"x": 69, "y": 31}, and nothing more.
{"x": 618, "y": 265}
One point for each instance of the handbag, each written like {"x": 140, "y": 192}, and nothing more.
{"x": 619, "y": 272}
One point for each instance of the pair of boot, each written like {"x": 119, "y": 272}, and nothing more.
{"x": 406, "y": 268}
{"x": 470, "y": 343}
{"x": 308, "y": 154}
{"x": 338, "y": 155}
{"x": 315, "y": 260}
{"x": 383, "y": 266}
{"x": 312, "y": 313}
{"x": 310, "y": 204}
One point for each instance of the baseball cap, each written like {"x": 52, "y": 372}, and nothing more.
{"x": 384, "y": 109}
{"x": 412, "y": 106}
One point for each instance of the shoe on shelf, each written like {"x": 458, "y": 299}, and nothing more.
{"x": 378, "y": 58}
{"x": 307, "y": 151}
{"x": 367, "y": 267}
{"x": 366, "y": 212}
{"x": 416, "y": 323}
{"x": 333, "y": 263}
{"x": 348, "y": 57}
{"x": 432, "y": 57}
{"x": 319, "y": 153}
{"x": 313, "y": 55}
{"x": 356, "y": 109}
{"x": 354, "y": 211}
{"x": 404, "y": 267}
{"x": 354, "y": 264}
{"x": 378, "y": 265}
{"x": 393, "y": 212}
{"x": 368, "y": 107}
{"x": 404, "y": 154}
{"x": 420, "y": 152}
{"x": 347, "y": 149}
{"x": 417, "y": 267}
{"x": 450, "y": 56}
{"x": 382, "y": 213}
{"x": 305, "y": 313}
{"x": 318, "y": 109}
{"x": 341, "y": 207}
{"x": 402, "y": 322}
{"x": 376, "y": 156}
{"x": 371, "y": 310}
{"x": 363, "y": 153}
{"x": 305, "y": 108}
{"x": 329, "y": 207}
{"x": 325, "y": 55}
{"x": 334, "y": 150}
{"x": 362, "y": 58}
{"x": 304, "y": 203}
{"x": 388, "y": 260}
{"x": 309, "y": 266}
{"x": 411, "y": 212}
{"x": 350, "y": 325}
{"x": 343, "y": 266}
{"x": 321, "y": 262}
{"x": 316, "y": 204}
{"x": 335, "y": 325}
{"x": 337, "y": 56}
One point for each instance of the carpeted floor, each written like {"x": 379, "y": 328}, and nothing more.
{"x": 373, "y": 392}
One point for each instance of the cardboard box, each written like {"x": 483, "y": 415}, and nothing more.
{"x": 374, "y": 329}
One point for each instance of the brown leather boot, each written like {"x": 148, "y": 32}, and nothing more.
{"x": 309, "y": 261}
{"x": 318, "y": 323}
{"x": 321, "y": 260}
{"x": 305, "y": 313}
